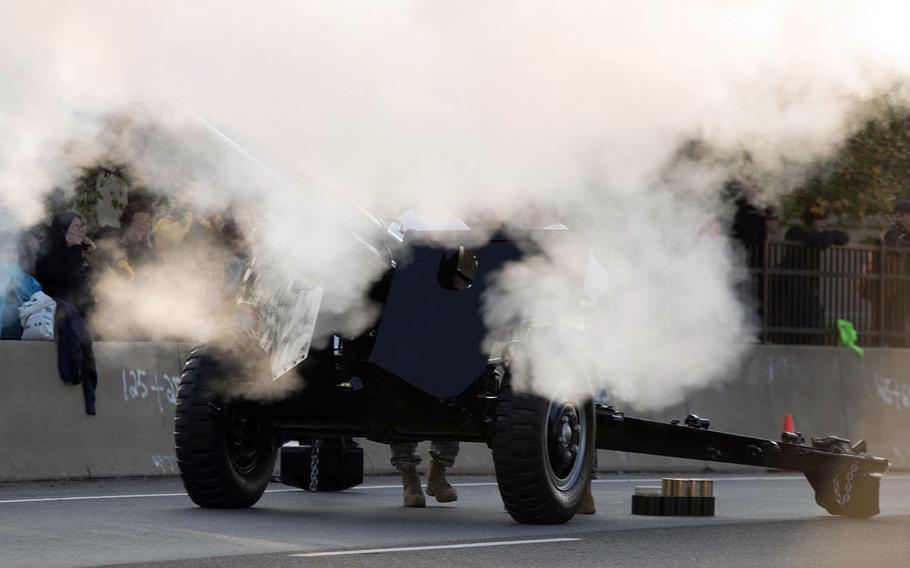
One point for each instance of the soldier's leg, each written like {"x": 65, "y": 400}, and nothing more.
{"x": 405, "y": 460}
{"x": 443, "y": 454}
{"x": 404, "y": 455}
{"x": 587, "y": 506}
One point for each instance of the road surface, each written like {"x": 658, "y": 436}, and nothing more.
{"x": 763, "y": 520}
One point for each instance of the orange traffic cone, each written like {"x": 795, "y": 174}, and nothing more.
{"x": 788, "y": 424}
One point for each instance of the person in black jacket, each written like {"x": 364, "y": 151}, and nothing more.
{"x": 890, "y": 313}
{"x": 65, "y": 275}
{"x": 750, "y": 229}
{"x": 815, "y": 233}
{"x": 62, "y": 268}
{"x": 797, "y": 297}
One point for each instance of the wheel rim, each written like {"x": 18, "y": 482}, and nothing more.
{"x": 566, "y": 441}
{"x": 245, "y": 441}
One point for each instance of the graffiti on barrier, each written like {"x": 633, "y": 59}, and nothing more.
{"x": 139, "y": 384}
{"x": 165, "y": 464}
{"x": 893, "y": 392}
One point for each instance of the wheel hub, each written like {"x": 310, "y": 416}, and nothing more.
{"x": 244, "y": 441}
{"x": 565, "y": 441}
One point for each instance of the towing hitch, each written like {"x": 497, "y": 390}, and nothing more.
{"x": 845, "y": 478}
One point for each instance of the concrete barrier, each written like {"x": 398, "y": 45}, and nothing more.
{"x": 45, "y": 434}
{"x": 876, "y": 395}
{"x": 828, "y": 390}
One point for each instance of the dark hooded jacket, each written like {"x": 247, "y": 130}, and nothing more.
{"x": 749, "y": 228}
{"x": 66, "y": 276}
{"x": 62, "y": 270}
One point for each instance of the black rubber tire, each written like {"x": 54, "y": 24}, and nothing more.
{"x": 203, "y": 441}
{"x": 528, "y": 491}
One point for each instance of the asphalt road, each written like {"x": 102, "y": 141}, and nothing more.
{"x": 762, "y": 521}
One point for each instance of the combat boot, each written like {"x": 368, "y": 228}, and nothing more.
{"x": 438, "y": 486}
{"x": 586, "y": 506}
{"x": 413, "y": 494}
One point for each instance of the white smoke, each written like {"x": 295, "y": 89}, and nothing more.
{"x": 571, "y": 111}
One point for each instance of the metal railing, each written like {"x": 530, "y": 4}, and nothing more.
{"x": 800, "y": 291}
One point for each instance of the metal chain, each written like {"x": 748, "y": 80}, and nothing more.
{"x": 314, "y": 464}
{"x": 848, "y": 487}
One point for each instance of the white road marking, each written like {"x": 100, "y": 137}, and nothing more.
{"x": 398, "y": 486}
{"x": 472, "y": 484}
{"x": 131, "y": 496}
{"x": 626, "y": 480}
{"x": 433, "y": 547}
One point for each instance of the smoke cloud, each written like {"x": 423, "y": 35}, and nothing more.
{"x": 529, "y": 113}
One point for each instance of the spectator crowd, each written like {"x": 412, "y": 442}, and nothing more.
{"x": 49, "y": 274}
{"x": 803, "y": 281}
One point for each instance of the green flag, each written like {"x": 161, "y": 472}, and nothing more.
{"x": 848, "y": 336}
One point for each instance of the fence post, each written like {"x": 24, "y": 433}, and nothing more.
{"x": 765, "y": 296}
{"x": 881, "y": 293}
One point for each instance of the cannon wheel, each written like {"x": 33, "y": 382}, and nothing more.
{"x": 224, "y": 451}
{"x": 543, "y": 452}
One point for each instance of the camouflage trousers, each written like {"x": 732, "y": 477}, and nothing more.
{"x": 404, "y": 454}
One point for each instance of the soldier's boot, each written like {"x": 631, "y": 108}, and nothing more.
{"x": 413, "y": 494}
{"x": 438, "y": 486}
{"x": 586, "y": 506}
